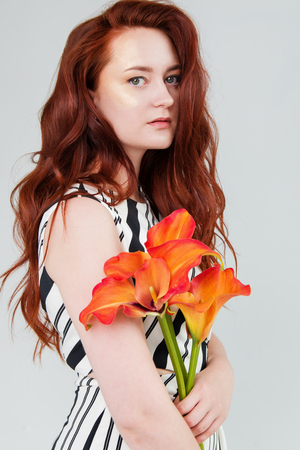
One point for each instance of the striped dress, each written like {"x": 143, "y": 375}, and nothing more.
{"x": 89, "y": 425}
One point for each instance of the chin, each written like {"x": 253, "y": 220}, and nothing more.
{"x": 162, "y": 144}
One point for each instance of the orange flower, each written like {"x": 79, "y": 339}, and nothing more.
{"x": 125, "y": 264}
{"x": 170, "y": 241}
{"x": 180, "y": 256}
{"x": 178, "y": 225}
{"x": 159, "y": 274}
{"x": 146, "y": 297}
{"x": 108, "y": 297}
{"x": 210, "y": 290}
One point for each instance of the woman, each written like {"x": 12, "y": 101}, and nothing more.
{"x": 126, "y": 137}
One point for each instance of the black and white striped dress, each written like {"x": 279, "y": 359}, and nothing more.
{"x": 89, "y": 425}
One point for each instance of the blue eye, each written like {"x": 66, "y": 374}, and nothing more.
{"x": 173, "y": 79}
{"x": 137, "y": 81}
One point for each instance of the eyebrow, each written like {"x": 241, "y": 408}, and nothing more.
{"x": 149, "y": 69}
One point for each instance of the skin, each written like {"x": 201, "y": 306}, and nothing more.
{"x": 207, "y": 405}
{"x": 130, "y": 100}
{"x": 138, "y": 85}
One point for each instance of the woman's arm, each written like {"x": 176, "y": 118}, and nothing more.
{"x": 122, "y": 364}
{"x": 207, "y": 405}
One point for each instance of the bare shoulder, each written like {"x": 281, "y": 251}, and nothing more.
{"x": 80, "y": 215}
{"x": 83, "y": 211}
{"x": 81, "y": 238}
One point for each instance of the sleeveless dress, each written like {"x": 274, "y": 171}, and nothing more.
{"x": 89, "y": 425}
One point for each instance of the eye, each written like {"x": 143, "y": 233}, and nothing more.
{"x": 173, "y": 79}
{"x": 137, "y": 81}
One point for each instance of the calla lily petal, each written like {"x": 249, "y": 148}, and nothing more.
{"x": 222, "y": 284}
{"x": 219, "y": 285}
{"x": 178, "y": 225}
{"x": 181, "y": 255}
{"x": 187, "y": 298}
{"x": 125, "y": 264}
{"x": 195, "y": 320}
{"x": 152, "y": 283}
{"x": 108, "y": 297}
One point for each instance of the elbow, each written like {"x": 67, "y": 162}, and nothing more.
{"x": 133, "y": 436}
{"x": 137, "y": 429}
{"x": 133, "y": 425}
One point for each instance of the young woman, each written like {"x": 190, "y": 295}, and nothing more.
{"x": 126, "y": 140}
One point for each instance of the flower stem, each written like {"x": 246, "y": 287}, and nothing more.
{"x": 172, "y": 332}
{"x": 170, "y": 342}
{"x": 185, "y": 381}
{"x": 193, "y": 366}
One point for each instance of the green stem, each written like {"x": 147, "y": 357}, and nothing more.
{"x": 170, "y": 342}
{"x": 185, "y": 381}
{"x": 192, "y": 372}
{"x": 193, "y": 365}
{"x": 172, "y": 332}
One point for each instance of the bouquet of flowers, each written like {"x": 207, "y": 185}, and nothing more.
{"x": 160, "y": 281}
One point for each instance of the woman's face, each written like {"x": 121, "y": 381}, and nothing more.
{"x": 138, "y": 90}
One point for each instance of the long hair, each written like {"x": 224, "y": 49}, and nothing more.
{"x": 76, "y": 138}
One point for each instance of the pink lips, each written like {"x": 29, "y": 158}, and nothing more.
{"x": 160, "y": 122}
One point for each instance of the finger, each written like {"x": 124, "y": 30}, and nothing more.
{"x": 187, "y": 404}
{"x": 208, "y": 432}
{"x": 204, "y": 424}
{"x": 197, "y": 415}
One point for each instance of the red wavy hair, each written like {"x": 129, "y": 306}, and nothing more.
{"x": 76, "y": 137}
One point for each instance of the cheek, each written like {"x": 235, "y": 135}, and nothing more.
{"x": 121, "y": 100}
{"x": 124, "y": 115}
{"x": 121, "y": 109}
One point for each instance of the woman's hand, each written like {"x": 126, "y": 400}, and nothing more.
{"x": 207, "y": 405}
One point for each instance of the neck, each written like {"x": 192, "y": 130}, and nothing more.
{"x": 121, "y": 178}
{"x": 137, "y": 196}
{"x": 136, "y": 159}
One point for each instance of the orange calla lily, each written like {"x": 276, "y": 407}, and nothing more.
{"x": 195, "y": 319}
{"x": 180, "y": 253}
{"x": 108, "y": 297}
{"x": 146, "y": 297}
{"x": 178, "y": 225}
{"x": 222, "y": 285}
{"x": 180, "y": 256}
{"x": 211, "y": 289}
{"x": 125, "y": 264}
{"x": 154, "y": 278}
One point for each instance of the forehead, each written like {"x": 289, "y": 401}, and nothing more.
{"x": 142, "y": 46}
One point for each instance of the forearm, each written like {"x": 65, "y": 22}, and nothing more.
{"x": 166, "y": 430}
{"x": 133, "y": 391}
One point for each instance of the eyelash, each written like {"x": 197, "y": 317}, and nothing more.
{"x": 176, "y": 77}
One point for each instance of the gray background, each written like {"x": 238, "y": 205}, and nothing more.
{"x": 252, "y": 53}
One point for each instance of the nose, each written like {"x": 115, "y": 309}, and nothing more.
{"x": 161, "y": 96}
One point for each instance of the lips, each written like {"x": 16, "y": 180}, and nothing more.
{"x": 161, "y": 119}
{"x": 160, "y": 122}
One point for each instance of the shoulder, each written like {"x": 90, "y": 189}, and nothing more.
{"x": 80, "y": 215}
{"x": 85, "y": 211}
{"x": 81, "y": 234}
